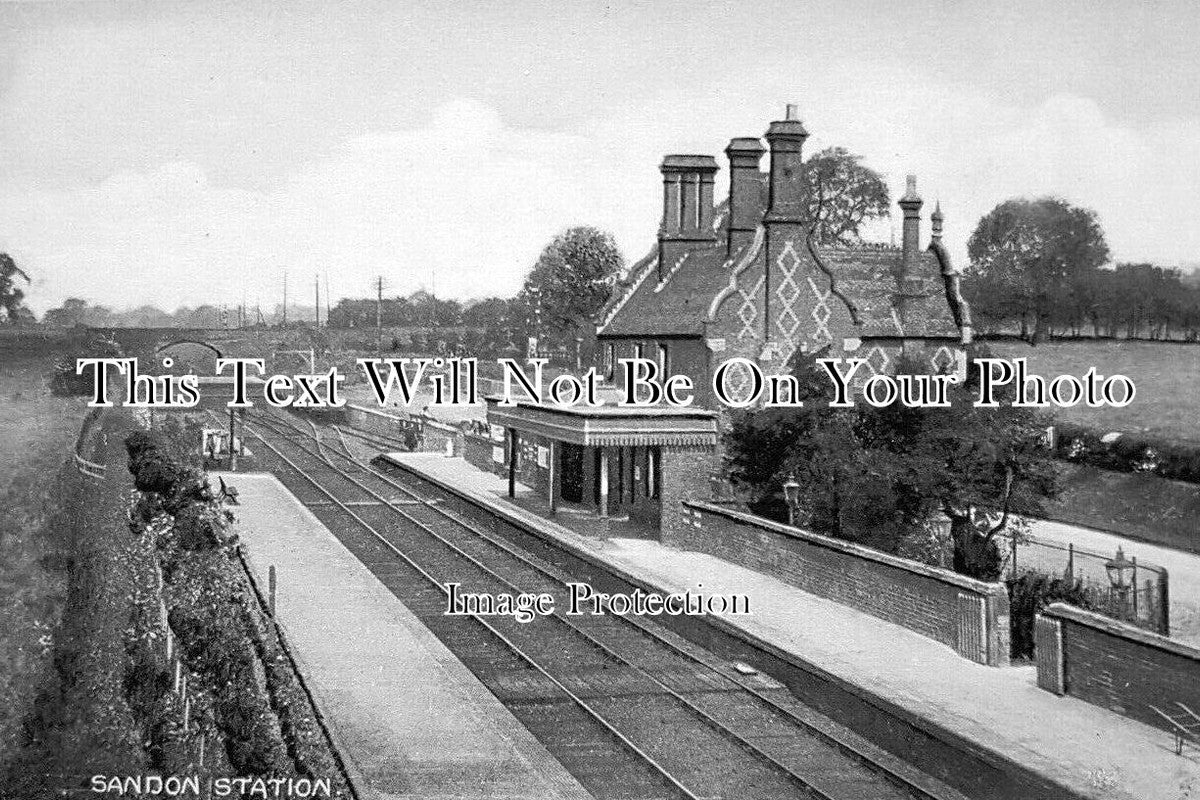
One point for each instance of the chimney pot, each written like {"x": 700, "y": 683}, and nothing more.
{"x": 793, "y": 112}
{"x": 911, "y": 242}
{"x": 786, "y": 201}
{"x": 745, "y": 190}
{"x": 687, "y": 204}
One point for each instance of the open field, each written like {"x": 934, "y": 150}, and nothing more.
{"x": 1139, "y": 506}
{"x": 1167, "y": 376}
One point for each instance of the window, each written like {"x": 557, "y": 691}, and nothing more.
{"x": 639, "y": 350}
{"x": 664, "y": 362}
{"x": 610, "y": 361}
{"x": 653, "y": 471}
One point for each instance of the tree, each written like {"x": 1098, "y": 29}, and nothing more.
{"x": 75, "y": 312}
{"x": 982, "y": 467}
{"x": 843, "y": 195}
{"x": 846, "y": 489}
{"x": 1035, "y": 253}
{"x": 878, "y": 475}
{"x": 571, "y": 281}
{"x": 490, "y": 312}
{"x": 12, "y": 309}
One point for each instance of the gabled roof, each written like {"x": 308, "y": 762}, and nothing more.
{"x": 642, "y": 305}
{"x": 677, "y": 304}
{"x": 867, "y": 277}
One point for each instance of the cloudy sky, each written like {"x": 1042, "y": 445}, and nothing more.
{"x": 173, "y": 153}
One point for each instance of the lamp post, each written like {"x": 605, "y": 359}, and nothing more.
{"x": 1119, "y": 571}
{"x": 791, "y": 496}
{"x": 941, "y": 526}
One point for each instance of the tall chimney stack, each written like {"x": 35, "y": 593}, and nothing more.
{"x": 936, "y": 219}
{"x": 911, "y": 241}
{"x": 786, "y": 200}
{"x": 745, "y": 191}
{"x": 687, "y": 206}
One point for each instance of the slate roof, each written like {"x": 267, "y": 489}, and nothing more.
{"x": 866, "y": 277}
{"x": 675, "y": 306}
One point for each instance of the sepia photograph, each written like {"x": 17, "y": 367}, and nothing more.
{"x": 604, "y": 400}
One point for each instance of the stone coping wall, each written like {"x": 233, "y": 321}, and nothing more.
{"x": 1115, "y": 665}
{"x": 968, "y": 615}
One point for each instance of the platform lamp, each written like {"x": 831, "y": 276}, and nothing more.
{"x": 1120, "y": 570}
{"x": 791, "y": 496}
{"x": 942, "y": 528}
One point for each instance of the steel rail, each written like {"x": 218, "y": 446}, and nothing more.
{"x": 889, "y": 772}
{"x": 899, "y": 781}
{"x": 372, "y": 438}
{"x": 589, "y": 638}
{"x": 647, "y": 758}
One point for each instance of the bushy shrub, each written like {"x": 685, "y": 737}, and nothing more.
{"x": 1028, "y": 594}
{"x": 1129, "y": 453}
{"x": 206, "y": 616}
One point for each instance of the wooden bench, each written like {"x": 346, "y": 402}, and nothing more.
{"x": 1185, "y": 725}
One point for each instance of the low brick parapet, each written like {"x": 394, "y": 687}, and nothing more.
{"x": 1115, "y": 665}
{"x": 969, "y": 615}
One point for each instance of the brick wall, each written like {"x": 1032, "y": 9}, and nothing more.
{"x": 372, "y": 421}
{"x": 422, "y": 433}
{"x": 1114, "y": 665}
{"x": 436, "y": 437}
{"x": 480, "y": 450}
{"x": 529, "y": 471}
{"x": 968, "y": 615}
{"x": 685, "y": 356}
{"x": 685, "y": 476}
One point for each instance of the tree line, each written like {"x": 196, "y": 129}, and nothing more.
{"x": 1043, "y": 268}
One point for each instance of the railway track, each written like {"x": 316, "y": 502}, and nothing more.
{"x": 630, "y": 709}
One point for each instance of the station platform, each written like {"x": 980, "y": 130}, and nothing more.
{"x": 1086, "y": 749}
{"x": 410, "y": 719}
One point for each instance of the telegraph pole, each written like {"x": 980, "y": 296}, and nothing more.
{"x": 285, "y": 298}
{"x": 326, "y": 299}
{"x": 317, "y": 307}
{"x": 233, "y": 456}
{"x": 433, "y": 298}
{"x": 379, "y": 316}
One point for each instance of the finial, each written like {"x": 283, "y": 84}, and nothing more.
{"x": 911, "y": 198}
{"x": 936, "y": 219}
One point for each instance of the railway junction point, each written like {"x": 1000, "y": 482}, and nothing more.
{"x": 1088, "y": 749}
{"x": 411, "y": 720}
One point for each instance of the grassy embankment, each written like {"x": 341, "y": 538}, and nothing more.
{"x": 37, "y": 431}
{"x": 88, "y": 565}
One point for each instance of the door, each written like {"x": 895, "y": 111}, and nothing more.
{"x": 570, "y": 467}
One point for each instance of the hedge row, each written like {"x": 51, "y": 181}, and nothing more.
{"x": 1128, "y": 453}
{"x": 260, "y": 712}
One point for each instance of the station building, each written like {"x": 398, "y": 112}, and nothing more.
{"x": 745, "y": 278}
